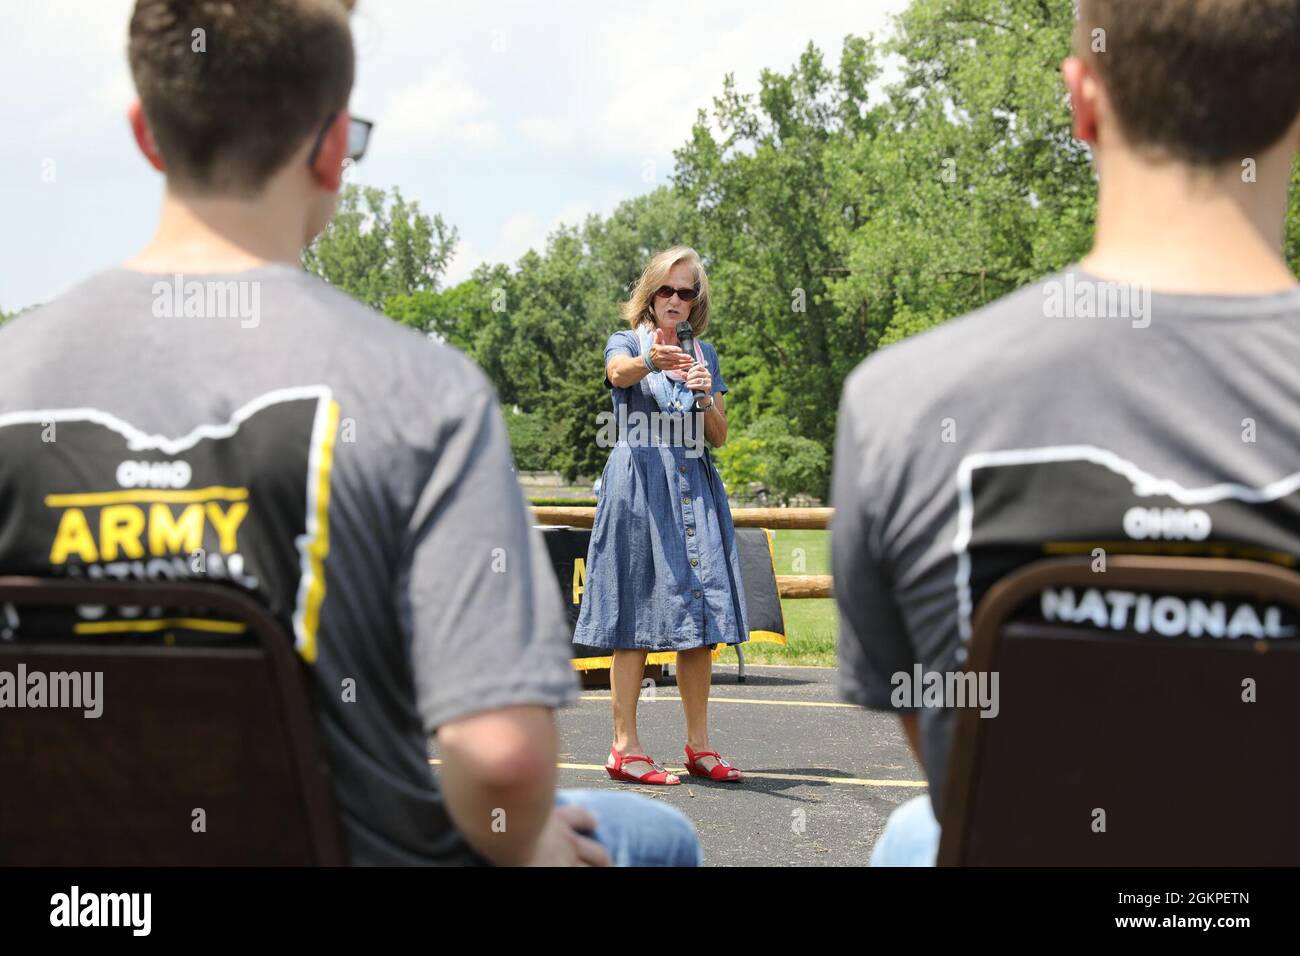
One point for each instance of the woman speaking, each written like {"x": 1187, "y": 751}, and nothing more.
{"x": 662, "y": 569}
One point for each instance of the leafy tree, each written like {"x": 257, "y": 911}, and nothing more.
{"x": 580, "y": 399}
{"x": 976, "y": 186}
{"x": 835, "y": 216}
{"x": 539, "y": 329}
{"x": 766, "y": 452}
{"x": 377, "y": 247}
{"x": 794, "y": 465}
{"x": 473, "y": 316}
{"x": 741, "y": 463}
{"x": 837, "y": 222}
{"x": 533, "y": 438}
{"x": 757, "y": 176}
{"x": 1293, "y": 223}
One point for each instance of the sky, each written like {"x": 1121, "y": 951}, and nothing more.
{"x": 509, "y": 118}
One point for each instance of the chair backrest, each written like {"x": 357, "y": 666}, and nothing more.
{"x": 1132, "y": 744}
{"x": 201, "y": 755}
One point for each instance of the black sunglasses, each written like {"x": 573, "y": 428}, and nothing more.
{"x": 686, "y": 295}
{"x": 358, "y": 138}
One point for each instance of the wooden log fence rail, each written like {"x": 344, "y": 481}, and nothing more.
{"x": 786, "y": 519}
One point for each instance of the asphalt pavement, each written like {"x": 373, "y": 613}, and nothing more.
{"x": 822, "y": 776}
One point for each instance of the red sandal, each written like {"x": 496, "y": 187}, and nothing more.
{"x": 720, "y": 771}
{"x": 658, "y": 777}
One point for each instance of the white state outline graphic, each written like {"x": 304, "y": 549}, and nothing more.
{"x": 138, "y": 440}
{"x": 1145, "y": 485}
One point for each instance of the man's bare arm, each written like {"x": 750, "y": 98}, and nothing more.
{"x": 499, "y": 767}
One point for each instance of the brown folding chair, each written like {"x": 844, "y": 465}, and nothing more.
{"x": 223, "y": 730}
{"x": 1151, "y": 731}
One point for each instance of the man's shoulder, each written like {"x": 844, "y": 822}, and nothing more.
{"x": 301, "y": 319}
{"x": 70, "y": 301}
{"x": 390, "y": 344}
{"x": 45, "y": 329}
{"x": 970, "y": 345}
{"x": 996, "y": 349}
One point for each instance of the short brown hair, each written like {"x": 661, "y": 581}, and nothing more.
{"x": 270, "y": 73}
{"x": 1202, "y": 81}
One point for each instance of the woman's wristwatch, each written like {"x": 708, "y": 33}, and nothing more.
{"x": 650, "y": 366}
{"x": 704, "y": 408}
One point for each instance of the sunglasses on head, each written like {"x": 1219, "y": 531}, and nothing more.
{"x": 686, "y": 295}
{"x": 358, "y": 138}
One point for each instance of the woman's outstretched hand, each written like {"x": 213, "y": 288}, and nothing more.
{"x": 666, "y": 355}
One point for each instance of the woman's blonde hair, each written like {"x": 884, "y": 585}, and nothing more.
{"x": 640, "y": 307}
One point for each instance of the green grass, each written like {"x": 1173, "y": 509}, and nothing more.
{"x": 802, "y": 552}
{"x": 810, "y": 623}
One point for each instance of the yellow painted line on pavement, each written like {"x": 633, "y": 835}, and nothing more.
{"x": 740, "y": 700}
{"x": 803, "y": 777}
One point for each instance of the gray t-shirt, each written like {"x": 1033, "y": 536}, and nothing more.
{"x": 354, "y": 474}
{"x": 1069, "y": 416}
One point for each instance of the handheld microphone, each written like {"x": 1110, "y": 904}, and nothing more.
{"x": 686, "y": 338}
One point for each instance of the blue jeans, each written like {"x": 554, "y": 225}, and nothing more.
{"x": 636, "y": 830}
{"x": 910, "y": 838}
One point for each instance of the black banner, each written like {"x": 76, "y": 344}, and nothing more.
{"x": 568, "y": 550}
{"x": 84, "y": 494}
{"x": 1022, "y": 506}
{"x": 224, "y": 905}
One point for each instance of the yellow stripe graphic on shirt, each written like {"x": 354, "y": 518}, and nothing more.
{"x": 319, "y": 548}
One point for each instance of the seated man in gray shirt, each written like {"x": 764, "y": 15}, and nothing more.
{"x": 218, "y": 411}
{"x": 1123, "y": 403}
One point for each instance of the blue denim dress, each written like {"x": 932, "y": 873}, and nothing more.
{"x": 663, "y": 572}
